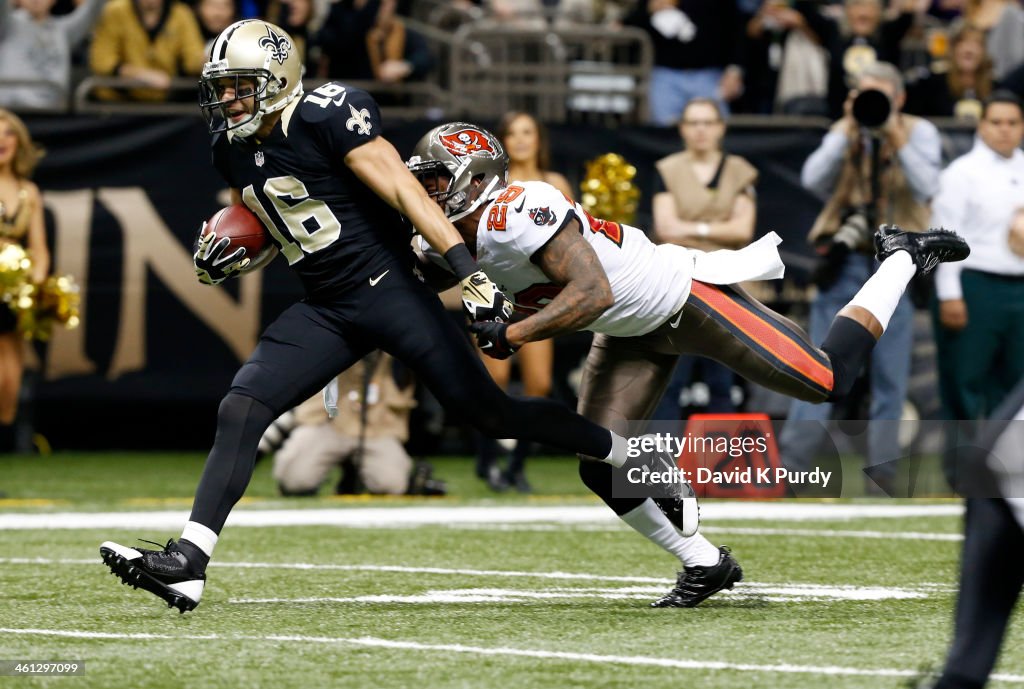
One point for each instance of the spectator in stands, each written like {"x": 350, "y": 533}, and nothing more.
{"x": 149, "y": 42}
{"x": 214, "y": 16}
{"x": 863, "y": 38}
{"x": 908, "y": 177}
{"x": 959, "y": 90}
{"x": 707, "y": 204}
{"x": 786, "y": 68}
{"x": 363, "y": 39}
{"x": 697, "y": 53}
{"x": 590, "y": 12}
{"x": 526, "y": 141}
{"x": 981, "y": 303}
{"x": 370, "y": 437}
{"x": 36, "y": 47}
{"x": 1003, "y": 24}
{"x": 21, "y": 222}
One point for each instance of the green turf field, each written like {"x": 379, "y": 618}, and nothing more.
{"x": 470, "y": 591}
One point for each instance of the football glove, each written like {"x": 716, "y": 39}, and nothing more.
{"x": 482, "y": 299}
{"x": 212, "y": 266}
{"x": 492, "y": 336}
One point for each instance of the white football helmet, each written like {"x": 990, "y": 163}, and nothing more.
{"x": 470, "y": 157}
{"x": 249, "y": 50}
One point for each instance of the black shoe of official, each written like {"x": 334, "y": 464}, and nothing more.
{"x": 496, "y": 479}
{"x": 696, "y": 584}
{"x": 165, "y": 573}
{"x": 928, "y": 249}
{"x": 519, "y": 482}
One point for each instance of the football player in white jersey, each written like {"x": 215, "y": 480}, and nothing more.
{"x": 566, "y": 271}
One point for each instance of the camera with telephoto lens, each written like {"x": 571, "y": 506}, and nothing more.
{"x": 871, "y": 108}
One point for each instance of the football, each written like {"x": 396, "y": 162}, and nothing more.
{"x": 243, "y": 228}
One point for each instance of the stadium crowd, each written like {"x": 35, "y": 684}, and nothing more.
{"x": 752, "y": 56}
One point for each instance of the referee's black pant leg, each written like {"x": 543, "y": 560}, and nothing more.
{"x": 409, "y": 322}
{"x": 296, "y": 356}
{"x": 991, "y": 576}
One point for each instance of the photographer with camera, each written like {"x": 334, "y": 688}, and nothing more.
{"x": 875, "y": 166}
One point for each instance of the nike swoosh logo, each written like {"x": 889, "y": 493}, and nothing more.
{"x": 521, "y": 204}
{"x": 339, "y": 101}
{"x": 675, "y": 324}
{"x": 374, "y": 281}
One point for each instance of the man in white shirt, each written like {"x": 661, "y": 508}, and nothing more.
{"x": 981, "y": 300}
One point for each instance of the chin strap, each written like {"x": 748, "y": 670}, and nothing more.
{"x": 485, "y": 195}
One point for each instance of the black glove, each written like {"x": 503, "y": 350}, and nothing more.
{"x": 492, "y": 337}
{"x": 212, "y": 266}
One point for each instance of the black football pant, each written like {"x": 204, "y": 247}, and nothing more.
{"x": 310, "y": 343}
{"x": 991, "y": 577}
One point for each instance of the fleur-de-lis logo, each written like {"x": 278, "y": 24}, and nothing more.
{"x": 358, "y": 123}
{"x": 277, "y": 45}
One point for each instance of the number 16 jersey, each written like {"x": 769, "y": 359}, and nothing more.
{"x": 334, "y": 231}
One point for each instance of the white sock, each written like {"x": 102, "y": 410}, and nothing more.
{"x": 651, "y": 523}
{"x": 202, "y": 536}
{"x": 617, "y": 455}
{"x": 881, "y": 293}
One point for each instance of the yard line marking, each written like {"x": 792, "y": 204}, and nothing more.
{"x": 377, "y": 517}
{"x": 739, "y": 530}
{"x": 768, "y": 592}
{"x": 801, "y": 588}
{"x": 373, "y": 642}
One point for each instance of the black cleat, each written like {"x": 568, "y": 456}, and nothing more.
{"x": 164, "y": 573}
{"x": 684, "y": 513}
{"x": 928, "y": 249}
{"x": 696, "y": 584}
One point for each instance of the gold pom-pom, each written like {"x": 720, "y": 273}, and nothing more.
{"x": 608, "y": 189}
{"x": 14, "y": 269}
{"x": 39, "y": 308}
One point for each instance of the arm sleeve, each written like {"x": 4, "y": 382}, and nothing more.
{"x": 949, "y": 210}
{"x": 5, "y": 17}
{"x": 78, "y": 24}
{"x": 105, "y": 49}
{"x": 921, "y": 160}
{"x": 821, "y": 170}
{"x": 193, "y": 52}
{"x": 417, "y": 54}
{"x": 347, "y": 124}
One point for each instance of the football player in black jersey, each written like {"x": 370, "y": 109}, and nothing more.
{"x": 331, "y": 191}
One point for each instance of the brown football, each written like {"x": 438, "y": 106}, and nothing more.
{"x": 243, "y": 228}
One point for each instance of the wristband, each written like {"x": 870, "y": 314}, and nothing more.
{"x": 461, "y": 261}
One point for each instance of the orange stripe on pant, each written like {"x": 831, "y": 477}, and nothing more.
{"x": 766, "y": 334}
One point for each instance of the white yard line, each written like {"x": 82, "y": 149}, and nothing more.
{"x": 796, "y": 589}
{"x": 372, "y": 642}
{"x": 775, "y": 593}
{"x": 393, "y": 517}
{"x": 739, "y": 530}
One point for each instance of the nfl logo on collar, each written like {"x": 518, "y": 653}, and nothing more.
{"x": 259, "y": 158}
